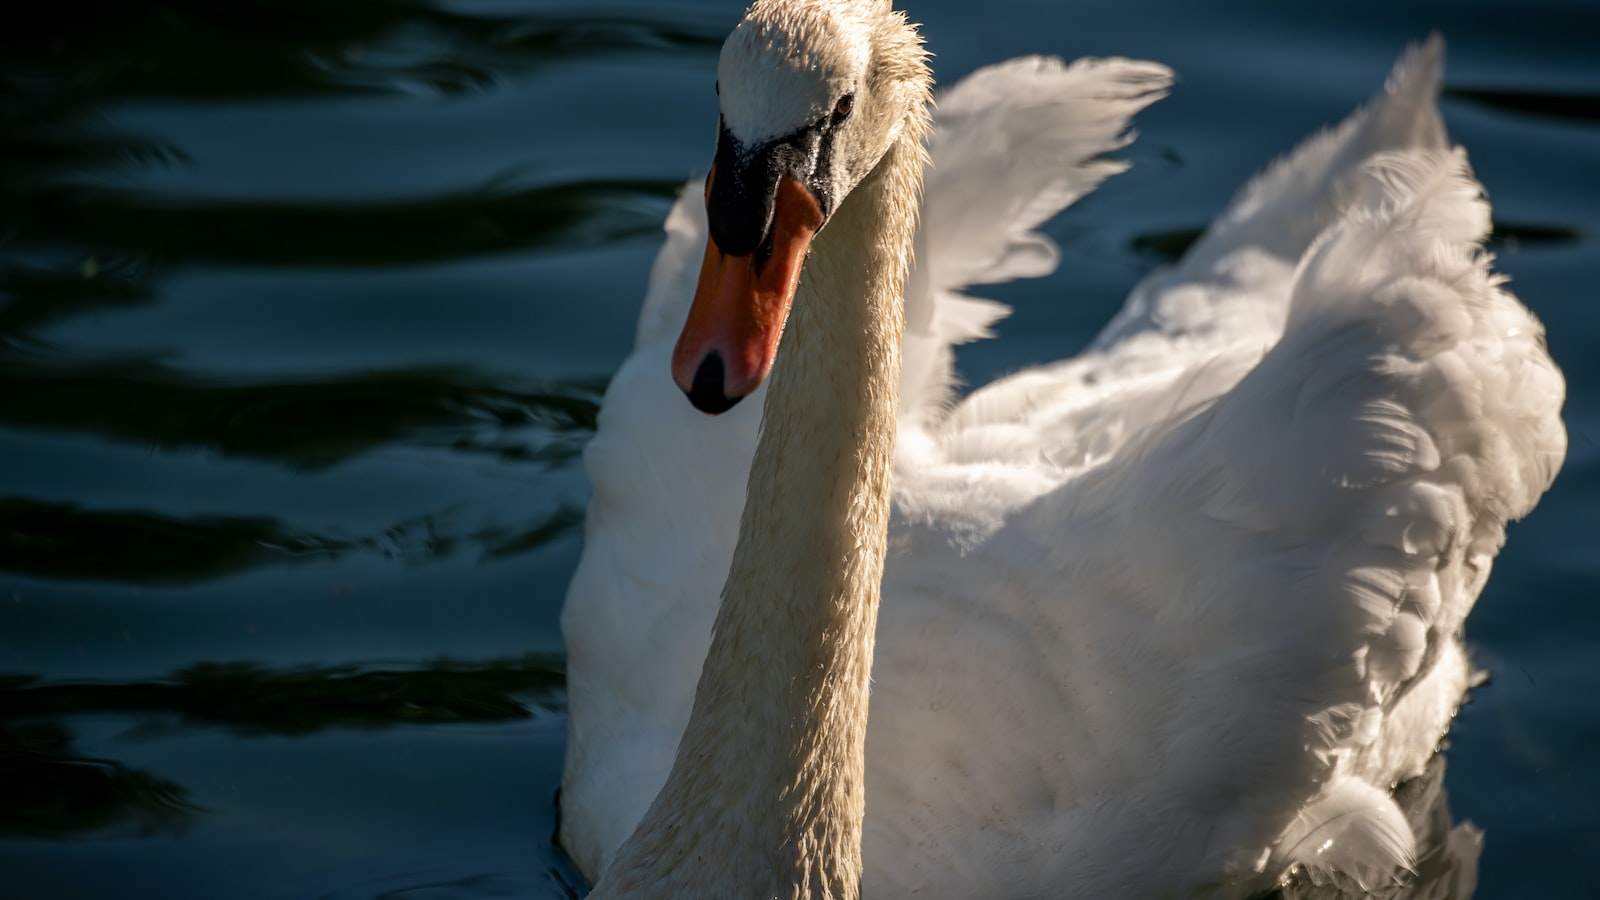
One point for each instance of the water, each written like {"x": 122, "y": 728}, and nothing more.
{"x": 304, "y": 313}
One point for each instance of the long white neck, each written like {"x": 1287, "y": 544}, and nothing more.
{"x": 766, "y": 794}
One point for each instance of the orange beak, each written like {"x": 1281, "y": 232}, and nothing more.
{"x": 740, "y": 304}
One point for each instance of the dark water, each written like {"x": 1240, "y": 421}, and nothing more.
{"x": 305, "y": 309}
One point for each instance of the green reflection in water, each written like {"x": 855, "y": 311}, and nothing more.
{"x": 304, "y": 424}
{"x": 100, "y": 222}
{"x": 33, "y": 296}
{"x": 55, "y": 792}
{"x": 56, "y": 540}
{"x": 195, "y": 49}
{"x": 254, "y": 699}
{"x": 62, "y": 541}
{"x": 1579, "y": 107}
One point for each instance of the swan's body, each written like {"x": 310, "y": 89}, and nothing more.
{"x": 1167, "y": 618}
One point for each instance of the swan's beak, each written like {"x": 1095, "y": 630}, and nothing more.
{"x": 740, "y": 304}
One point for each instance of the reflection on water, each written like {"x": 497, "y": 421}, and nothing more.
{"x": 299, "y": 423}
{"x": 163, "y": 510}
{"x": 55, "y": 792}
{"x": 89, "y": 52}
{"x": 1583, "y": 107}
{"x": 255, "y": 699}
{"x": 122, "y": 226}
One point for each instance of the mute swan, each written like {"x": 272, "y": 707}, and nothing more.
{"x": 1165, "y": 619}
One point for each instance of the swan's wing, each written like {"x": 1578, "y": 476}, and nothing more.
{"x": 1188, "y": 333}
{"x": 1012, "y": 145}
{"x": 1263, "y": 534}
{"x": 1280, "y": 212}
{"x": 1355, "y": 487}
{"x": 1229, "y": 638}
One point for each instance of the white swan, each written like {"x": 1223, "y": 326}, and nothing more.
{"x": 1164, "y": 619}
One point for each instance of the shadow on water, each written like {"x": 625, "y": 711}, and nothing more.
{"x": 1576, "y": 106}
{"x": 95, "y": 50}
{"x": 33, "y": 296}
{"x": 63, "y": 542}
{"x": 99, "y": 222}
{"x": 303, "y": 424}
{"x": 55, "y": 792}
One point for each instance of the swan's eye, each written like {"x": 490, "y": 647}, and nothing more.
{"x": 841, "y": 110}
{"x": 718, "y": 87}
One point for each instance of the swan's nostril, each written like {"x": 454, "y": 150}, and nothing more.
{"x": 707, "y": 393}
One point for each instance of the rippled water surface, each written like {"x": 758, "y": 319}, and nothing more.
{"x": 305, "y": 309}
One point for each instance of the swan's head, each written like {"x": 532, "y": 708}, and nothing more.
{"x": 813, "y": 94}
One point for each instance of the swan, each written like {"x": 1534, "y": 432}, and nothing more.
{"x": 1167, "y": 618}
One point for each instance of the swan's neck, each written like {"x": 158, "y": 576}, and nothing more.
{"x": 766, "y": 794}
